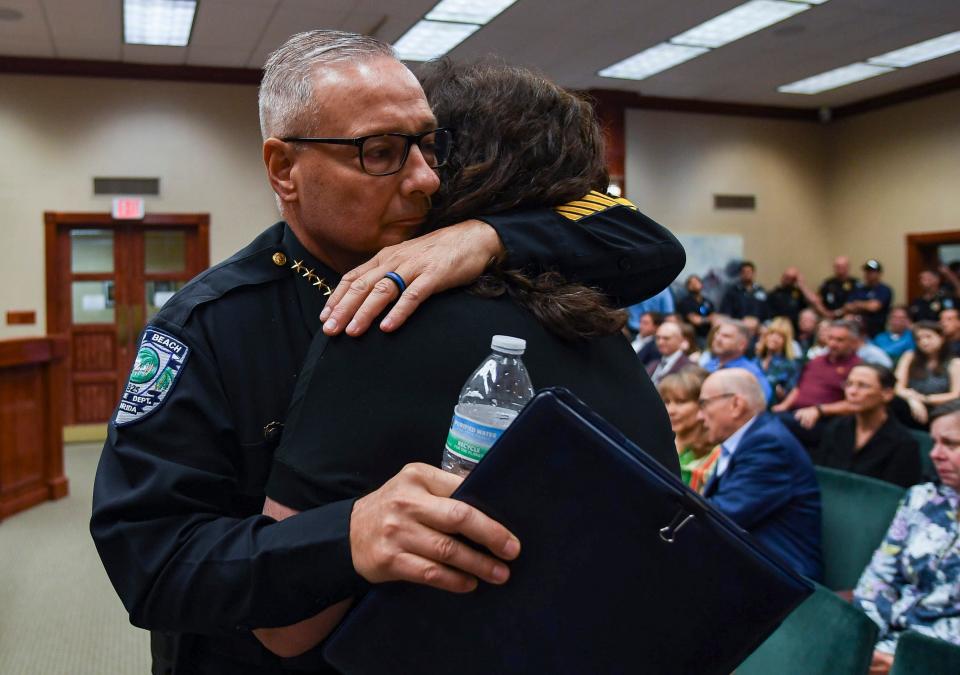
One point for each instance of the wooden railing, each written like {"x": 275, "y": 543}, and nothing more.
{"x": 32, "y": 381}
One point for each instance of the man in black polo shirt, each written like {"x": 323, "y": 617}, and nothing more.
{"x": 933, "y": 299}
{"x": 746, "y": 298}
{"x": 835, "y": 291}
{"x": 871, "y": 300}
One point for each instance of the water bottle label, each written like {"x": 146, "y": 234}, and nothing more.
{"x": 470, "y": 440}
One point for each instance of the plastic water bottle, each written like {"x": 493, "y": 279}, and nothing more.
{"x": 489, "y": 402}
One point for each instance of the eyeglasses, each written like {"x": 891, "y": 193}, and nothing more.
{"x": 704, "y": 402}
{"x": 385, "y": 154}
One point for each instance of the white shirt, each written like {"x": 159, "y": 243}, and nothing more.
{"x": 640, "y": 342}
{"x": 729, "y": 446}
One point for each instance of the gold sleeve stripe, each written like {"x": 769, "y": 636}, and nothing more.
{"x": 592, "y": 202}
{"x": 575, "y": 210}
{"x": 598, "y": 198}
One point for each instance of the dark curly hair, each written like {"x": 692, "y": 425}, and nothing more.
{"x": 520, "y": 142}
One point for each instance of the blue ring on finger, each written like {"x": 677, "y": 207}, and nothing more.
{"x": 397, "y": 279}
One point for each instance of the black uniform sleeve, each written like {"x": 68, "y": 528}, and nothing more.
{"x": 615, "y": 248}
{"x": 168, "y": 490}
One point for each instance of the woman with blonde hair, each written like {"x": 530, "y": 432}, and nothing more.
{"x": 681, "y": 395}
{"x": 776, "y": 357}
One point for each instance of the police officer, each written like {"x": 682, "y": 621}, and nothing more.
{"x": 746, "y": 297}
{"x": 791, "y": 297}
{"x": 933, "y": 298}
{"x": 835, "y": 291}
{"x": 872, "y": 299}
{"x": 349, "y": 148}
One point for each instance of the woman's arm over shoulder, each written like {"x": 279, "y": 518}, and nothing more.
{"x": 598, "y": 241}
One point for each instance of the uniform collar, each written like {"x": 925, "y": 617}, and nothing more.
{"x": 313, "y": 279}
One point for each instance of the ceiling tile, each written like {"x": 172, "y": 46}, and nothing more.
{"x": 29, "y": 35}
{"x": 225, "y": 31}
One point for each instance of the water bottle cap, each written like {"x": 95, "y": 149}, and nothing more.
{"x": 508, "y": 345}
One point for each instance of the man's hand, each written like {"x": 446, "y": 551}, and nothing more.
{"x": 449, "y": 257}
{"x": 807, "y": 417}
{"x": 403, "y": 532}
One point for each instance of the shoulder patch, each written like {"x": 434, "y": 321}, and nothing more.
{"x": 592, "y": 202}
{"x": 160, "y": 359}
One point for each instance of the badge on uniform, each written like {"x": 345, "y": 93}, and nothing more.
{"x": 159, "y": 362}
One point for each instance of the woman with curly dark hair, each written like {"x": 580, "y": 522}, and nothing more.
{"x": 520, "y": 141}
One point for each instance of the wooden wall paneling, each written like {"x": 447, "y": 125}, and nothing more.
{"x": 31, "y": 422}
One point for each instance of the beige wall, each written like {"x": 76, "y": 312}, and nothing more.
{"x": 895, "y": 171}
{"x": 201, "y": 140}
{"x": 676, "y": 162}
{"x": 856, "y": 186}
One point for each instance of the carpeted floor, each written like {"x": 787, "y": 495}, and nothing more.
{"x": 58, "y": 612}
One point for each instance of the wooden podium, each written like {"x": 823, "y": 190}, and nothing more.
{"x": 32, "y": 380}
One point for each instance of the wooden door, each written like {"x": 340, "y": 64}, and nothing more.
{"x": 924, "y": 253}
{"x": 105, "y": 279}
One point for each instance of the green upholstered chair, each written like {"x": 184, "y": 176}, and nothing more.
{"x": 919, "y": 654}
{"x": 825, "y": 635}
{"x": 925, "y": 443}
{"x": 857, "y": 510}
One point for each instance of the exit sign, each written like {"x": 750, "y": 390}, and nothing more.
{"x": 128, "y": 208}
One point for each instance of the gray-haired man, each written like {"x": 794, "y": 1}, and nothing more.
{"x": 350, "y": 147}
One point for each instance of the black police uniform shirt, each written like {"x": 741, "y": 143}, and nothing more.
{"x": 928, "y": 309}
{"x": 740, "y": 301}
{"x": 874, "y": 322}
{"x": 835, "y": 292}
{"x": 702, "y": 306}
{"x": 787, "y": 301}
{"x": 180, "y": 485}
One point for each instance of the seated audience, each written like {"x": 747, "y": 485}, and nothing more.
{"x": 777, "y": 359}
{"x": 928, "y": 375}
{"x": 871, "y": 300}
{"x": 869, "y": 352}
{"x": 764, "y": 479}
{"x": 932, "y": 300}
{"x": 835, "y": 290}
{"x": 950, "y": 323}
{"x": 645, "y": 344}
{"x": 870, "y": 442}
{"x": 746, "y": 297}
{"x": 913, "y": 580}
{"x": 806, "y": 332}
{"x": 698, "y": 456}
{"x": 728, "y": 350}
{"x": 662, "y": 304}
{"x": 695, "y": 307}
{"x": 819, "y": 392}
{"x": 897, "y": 339}
{"x": 672, "y": 359}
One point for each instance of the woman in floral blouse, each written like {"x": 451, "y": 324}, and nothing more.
{"x": 913, "y": 580}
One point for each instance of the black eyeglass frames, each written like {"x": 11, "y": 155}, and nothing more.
{"x": 385, "y": 154}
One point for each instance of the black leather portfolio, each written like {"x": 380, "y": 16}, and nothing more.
{"x": 623, "y": 569}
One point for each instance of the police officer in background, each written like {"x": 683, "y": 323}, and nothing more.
{"x": 746, "y": 298}
{"x": 933, "y": 299}
{"x": 835, "y": 291}
{"x": 350, "y": 147}
{"x": 872, "y": 299}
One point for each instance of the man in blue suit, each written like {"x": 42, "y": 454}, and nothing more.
{"x": 764, "y": 479}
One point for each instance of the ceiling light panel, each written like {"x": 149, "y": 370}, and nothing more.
{"x": 158, "y": 22}
{"x": 838, "y": 77}
{"x": 652, "y": 61}
{"x": 468, "y": 11}
{"x": 920, "y": 52}
{"x": 431, "y": 39}
{"x": 748, "y": 18}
